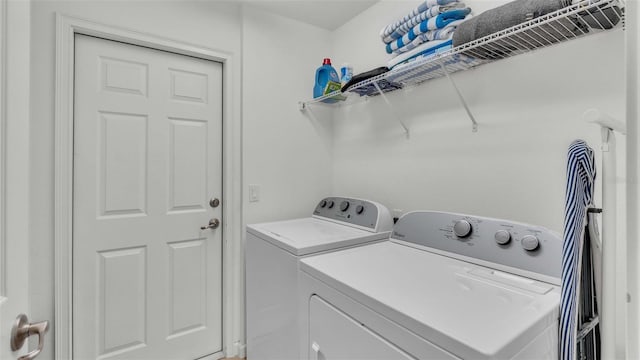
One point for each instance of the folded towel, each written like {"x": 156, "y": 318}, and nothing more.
{"x": 433, "y": 35}
{"x": 503, "y": 17}
{"x": 364, "y": 76}
{"x": 420, "y": 68}
{"x": 439, "y": 22}
{"x": 603, "y": 17}
{"x": 425, "y": 49}
{"x": 424, "y": 6}
{"x": 371, "y": 90}
{"x": 397, "y": 29}
{"x": 542, "y": 35}
{"x": 445, "y": 33}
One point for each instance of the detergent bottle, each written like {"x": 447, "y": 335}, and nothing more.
{"x": 346, "y": 73}
{"x": 325, "y": 74}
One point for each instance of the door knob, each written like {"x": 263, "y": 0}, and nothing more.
{"x": 22, "y": 329}
{"x": 213, "y": 224}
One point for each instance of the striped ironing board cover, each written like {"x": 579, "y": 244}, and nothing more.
{"x": 577, "y": 272}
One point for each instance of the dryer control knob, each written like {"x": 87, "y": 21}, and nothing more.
{"x": 344, "y": 205}
{"x": 330, "y": 204}
{"x": 530, "y": 242}
{"x": 359, "y": 209}
{"x": 502, "y": 237}
{"x": 462, "y": 228}
{"x": 323, "y": 203}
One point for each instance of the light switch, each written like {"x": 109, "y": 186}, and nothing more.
{"x": 254, "y": 193}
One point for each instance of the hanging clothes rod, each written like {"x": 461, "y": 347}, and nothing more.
{"x": 606, "y": 121}
{"x": 612, "y": 313}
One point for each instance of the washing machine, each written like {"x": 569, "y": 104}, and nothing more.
{"x": 446, "y": 286}
{"x": 273, "y": 251}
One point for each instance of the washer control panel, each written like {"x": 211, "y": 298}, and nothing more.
{"x": 506, "y": 243}
{"x": 358, "y": 212}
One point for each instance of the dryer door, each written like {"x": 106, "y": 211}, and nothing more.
{"x": 334, "y": 335}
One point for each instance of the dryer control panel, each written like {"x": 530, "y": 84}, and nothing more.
{"x": 502, "y": 244}
{"x": 362, "y": 213}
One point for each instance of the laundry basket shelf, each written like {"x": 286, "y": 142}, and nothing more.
{"x": 581, "y": 19}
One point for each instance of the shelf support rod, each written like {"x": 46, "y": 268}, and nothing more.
{"x": 305, "y": 109}
{"x": 462, "y": 100}
{"x": 386, "y": 100}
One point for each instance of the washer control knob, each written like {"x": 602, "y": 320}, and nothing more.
{"x": 462, "y": 228}
{"x": 323, "y": 203}
{"x": 502, "y": 237}
{"x": 530, "y": 242}
{"x": 344, "y": 205}
{"x": 359, "y": 209}
{"x": 330, "y": 204}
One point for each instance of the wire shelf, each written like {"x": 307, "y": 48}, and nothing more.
{"x": 574, "y": 21}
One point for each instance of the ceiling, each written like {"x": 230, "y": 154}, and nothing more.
{"x": 327, "y": 14}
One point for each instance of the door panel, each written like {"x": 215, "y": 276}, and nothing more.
{"x": 121, "y": 304}
{"x": 147, "y": 281}
{"x": 187, "y": 283}
{"x": 188, "y": 165}
{"x": 122, "y": 162}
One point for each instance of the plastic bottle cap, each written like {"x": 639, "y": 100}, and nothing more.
{"x": 326, "y": 61}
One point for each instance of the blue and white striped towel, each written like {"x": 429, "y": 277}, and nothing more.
{"x": 445, "y": 33}
{"x": 423, "y": 50}
{"x": 432, "y": 24}
{"x": 397, "y": 29}
{"x": 581, "y": 176}
{"x": 424, "y": 6}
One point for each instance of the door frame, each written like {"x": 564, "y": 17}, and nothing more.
{"x": 66, "y": 29}
{"x": 15, "y": 30}
{"x": 3, "y": 142}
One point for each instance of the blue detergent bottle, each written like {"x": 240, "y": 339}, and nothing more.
{"x": 324, "y": 74}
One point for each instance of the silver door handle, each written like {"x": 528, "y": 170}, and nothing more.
{"x": 213, "y": 224}
{"x": 22, "y": 329}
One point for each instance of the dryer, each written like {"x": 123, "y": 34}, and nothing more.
{"x": 446, "y": 286}
{"x": 273, "y": 251}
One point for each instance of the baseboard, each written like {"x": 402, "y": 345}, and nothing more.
{"x": 241, "y": 350}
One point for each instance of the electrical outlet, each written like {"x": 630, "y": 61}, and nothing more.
{"x": 254, "y": 193}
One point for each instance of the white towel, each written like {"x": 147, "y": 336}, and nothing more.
{"x": 427, "y": 48}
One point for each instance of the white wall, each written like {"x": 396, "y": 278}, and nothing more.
{"x": 529, "y": 108}
{"x": 214, "y": 25}
{"x": 286, "y": 153}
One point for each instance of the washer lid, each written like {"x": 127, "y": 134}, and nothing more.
{"x": 310, "y": 235}
{"x": 471, "y": 311}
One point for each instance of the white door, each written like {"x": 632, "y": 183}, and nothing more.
{"x": 147, "y": 281}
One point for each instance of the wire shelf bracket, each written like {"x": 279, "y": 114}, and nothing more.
{"x": 386, "y": 100}
{"x": 474, "y": 126}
